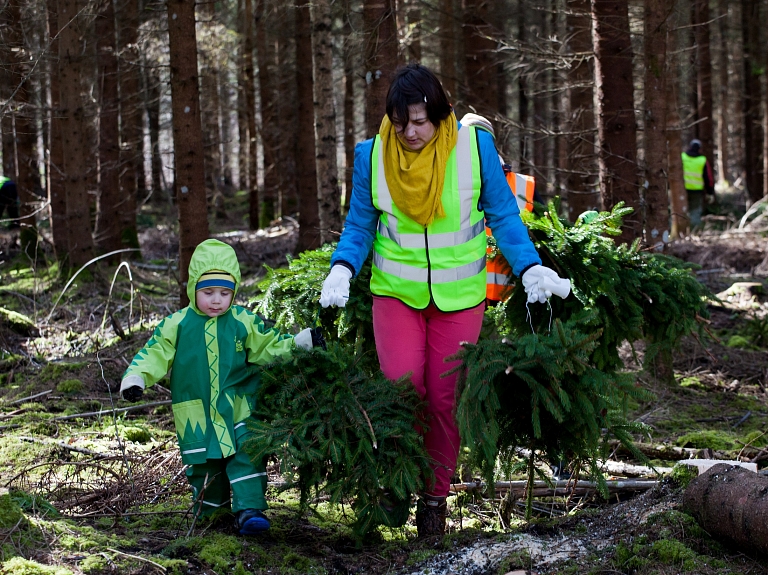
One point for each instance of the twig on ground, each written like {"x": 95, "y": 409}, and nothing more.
{"x": 112, "y": 411}
{"x": 30, "y": 397}
{"x": 163, "y": 569}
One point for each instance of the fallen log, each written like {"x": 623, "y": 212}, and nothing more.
{"x": 669, "y": 452}
{"x": 731, "y": 502}
{"x": 558, "y": 488}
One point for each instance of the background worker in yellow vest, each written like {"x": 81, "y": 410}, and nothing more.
{"x": 699, "y": 180}
{"x": 421, "y": 192}
{"x": 499, "y": 282}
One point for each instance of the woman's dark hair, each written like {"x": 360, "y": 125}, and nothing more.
{"x": 416, "y": 84}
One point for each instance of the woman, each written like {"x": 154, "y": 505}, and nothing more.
{"x": 421, "y": 190}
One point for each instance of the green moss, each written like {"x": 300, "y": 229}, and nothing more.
{"x": 739, "y": 341}
{"x": 173, "y": 566}
{"x": 219, "y": 551}
{"x": 70, "y": 386}
{"x": 709, "y": 438}
{"x": 672, "y": 552}
{"x": 10, "y": 512}
{"x": 693, "y": 382}
{"x": 56, "y": 370}
{"x": 517, "y": 560}
{"x": 137, "y": 434}
{"x": 756, "y": 438}
{"x": 627, "y": 557}
{"x": 93, "y": 564}
{"x": 683, "y": 474}
{"x": 20, "y": 566}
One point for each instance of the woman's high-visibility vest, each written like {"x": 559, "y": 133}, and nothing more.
{"x": 498, "y": 271}
{"x": 445, "y": 261}
{"x": 693, "y": 171}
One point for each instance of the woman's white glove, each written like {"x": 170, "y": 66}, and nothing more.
{"x": 540, "y": 283}
{"x": 336, "y": 287}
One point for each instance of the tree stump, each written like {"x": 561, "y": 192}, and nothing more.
{"x": 731, "y": 502}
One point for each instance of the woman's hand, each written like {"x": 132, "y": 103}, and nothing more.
{"x": 540, "y": 283}
{"x": 336, "y": 287}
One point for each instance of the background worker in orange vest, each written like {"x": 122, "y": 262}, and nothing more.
{"x": 498, "y": 285}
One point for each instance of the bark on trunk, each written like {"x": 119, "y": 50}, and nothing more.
{"x": 448, "y": 74}
{"x": 731, "y": 502}
{"x": 750, "y": 23}
{"x": 704, "y": 108}
{"x": 106, "y": 234}
{"x": 25, "y": 130}
{"x": 153, "y": 116}
{"x": 79, "y": 240}
{"x": 655, "y": 143}
{"x": 286, "y": 109}
{"x": 616, "y": 126}
{"x": 209, "y": 101}
{"x": 265, "y": 53}
{"x": 329, "y": 199}
{"x": 722, "y": 124}
{"x": 380, "y": 60}
{"x": 249, "y": 92}
{"x": 581, "y": 185}
{"x": 56, "y": 190}
{"x": 187, "y": 136}
{"x": 131, "y": 129}
{"x": 482, "y": 89}
{"x": 309, "y": 222}
{"x": 349, "y": 106}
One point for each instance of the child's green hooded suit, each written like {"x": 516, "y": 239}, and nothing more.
{"x": 213, "y": 383}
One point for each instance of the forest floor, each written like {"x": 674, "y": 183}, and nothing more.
{"x": 92, "y": 484}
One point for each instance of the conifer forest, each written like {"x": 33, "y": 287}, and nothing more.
{"x": 133, "y": 130}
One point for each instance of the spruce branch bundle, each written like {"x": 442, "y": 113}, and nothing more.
{"x": 544, "y": 393}
{"x": 290, "y": 296}
{"x": 337, "y": 428}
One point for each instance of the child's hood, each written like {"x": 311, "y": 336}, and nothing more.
{"x": 211, "y": 255}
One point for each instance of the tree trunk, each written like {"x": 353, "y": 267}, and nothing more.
{"x": 731, "y": 502}
{"x": 329, "y": 199}
{"x": 678, "y": 198}
{"x": 750, "y": 27}
{"x": 523, "y": 101}
{"x": 74, "y": 143}
{"x": 380, "y": 59}
{"x": 187, "y": 136}
{"x": 287, "y": 107}
{"x": 24, "y": 126}
{"x": 349, "y": 105}
{"x": 309, "y": 221}
{"x": 448, "y": 34}
{"x": 209, "y": 92}
{"x": 265, "y": 53}
{"x": 482, "y": 89}
{"x": 581, "y": 184}
{"x": 655, "y": 142}
{"x": 722, "y": 124}
{"x": 131, "y": 129}
{"x": 56, "y": 184}
{"x": 412, "y": 35}
{"x": 244, "y": 18}
{"x": 704, "y": 108}
{"x": 616, "y": 127}
{"x": 106, "y": 235}
{"x": 153, "y": 117}
{"x": 541, "y": 105}
{"x": 249, "y": 93}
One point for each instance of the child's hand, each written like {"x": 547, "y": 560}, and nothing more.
{"x": 309, "y": 338}
{"x": 132, "y": 388}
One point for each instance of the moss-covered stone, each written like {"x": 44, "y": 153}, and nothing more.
{"x": 710, "y": 438}
{"x": 18, "y": 322}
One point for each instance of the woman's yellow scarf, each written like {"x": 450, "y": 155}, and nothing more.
{"x": 415, "y": 179}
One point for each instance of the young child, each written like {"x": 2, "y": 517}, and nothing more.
{"x": 214, "y": 348}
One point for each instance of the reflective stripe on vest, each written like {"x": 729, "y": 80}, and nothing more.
{"x": 499, "y": 272}
{"x": 693, "y": 171}
{"x": 444, "y": 263}
{"x": 522, "y": 187}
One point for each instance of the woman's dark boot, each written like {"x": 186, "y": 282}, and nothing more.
{"x": 430, "y": 515}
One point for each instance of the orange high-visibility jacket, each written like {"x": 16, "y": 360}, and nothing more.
{"x": 499, "y": 272}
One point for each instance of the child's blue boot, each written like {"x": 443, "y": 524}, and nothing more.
{"x": 251, "y": 521}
